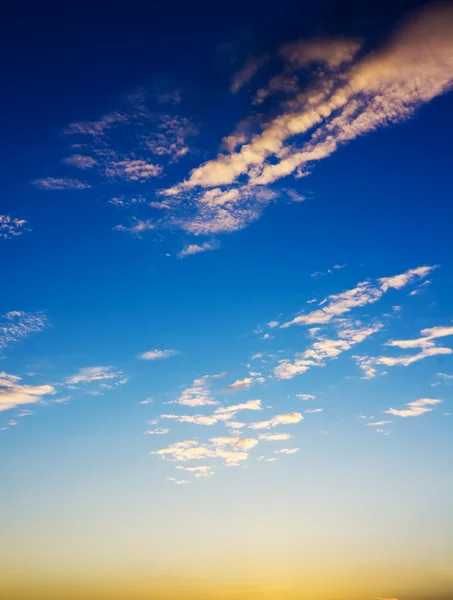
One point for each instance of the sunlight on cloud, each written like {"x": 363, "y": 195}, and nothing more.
{"x": 11, "y": 227}
{"x": 13, "y": 393}
{"x": 415, "y": 409}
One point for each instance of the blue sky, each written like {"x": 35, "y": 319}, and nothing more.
{"x": 227, "y": 289}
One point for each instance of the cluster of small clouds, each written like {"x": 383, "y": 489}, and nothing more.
{"x": 18, "y": 324}
{"x": 11, "y": 227}
{"x": 425, "y": 344}
{"x": 349, "y": 333}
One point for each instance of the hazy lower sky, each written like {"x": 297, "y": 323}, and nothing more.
{"x": 226, "y": 324}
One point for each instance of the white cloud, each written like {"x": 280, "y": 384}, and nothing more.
{"x": 306, "y": 396}
{"x": 138, "y": 227}
{"x": 324, "y": 349}
{"x": 133, "y": 170}
{"x": 313, "y": 410}
{"x": 197, "y": 248}
{"x": 90, "y": 374}
{"x": 199, "y": 394}
{"x": 363, "y": 294}
{"x": 157, "y": 354}
{"x": 426, "y": 344}
{"x": 248, "y": 70}
{"x": 285, "y": 419}
{"x": 274, "y": 437}
{"x": 80, "y": 161}
{"x": 234, "y": 408}
{"x": 415, "y": 409}
{"x": 158, "y": 431}
{"x": 13, "y": 393}
{"x": 60, "y": 183}
{"x": 11, "y": 227}
{"x": 288, "y": 451}
{"x": 378, "y": 423}
{"x": 18, "y": 324}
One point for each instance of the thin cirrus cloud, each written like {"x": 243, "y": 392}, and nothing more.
{"x": 60, "y": 183}
{"x": 91, "y": 374}
{"x": 17, "y": 325}
{"x": 80, "y": 161}
{"x": 356, "y": 93}
{"x": 426, "y": 344}
{"x": 285, "y": 419}
{"x": 192, "y": 249}
{"x": 14, "y": 393}
{"x": 415, "y": 408}
{"x": 11, "y": 227}
{"x": 157, "y": 354}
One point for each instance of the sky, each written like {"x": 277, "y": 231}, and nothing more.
{"x": 226, "y": 327}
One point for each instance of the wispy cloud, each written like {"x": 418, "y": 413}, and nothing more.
{"x": 11, "y": 227}
{"x": 366, "y": 292}
{"x": 60, "y": 183}
{"x": 90, "y": 374}
{"x": 247, "y": 72}
{"x": 80, "y": 161}
{"x": 426, "y": 343}
{"x": 286, "y": 419}
{"x": 14, "y": 393}
{"x": 137, "y": 228}
{"x": 17, "y": 325}
{"x": 157, "y": 354}
{"x": 197, "y": 248}
{"x": 352, "y": 93}
{"x": 415, "y": 408}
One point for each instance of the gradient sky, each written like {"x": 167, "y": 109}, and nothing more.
{"x": 226, "y": 325}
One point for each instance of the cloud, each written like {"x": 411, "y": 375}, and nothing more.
{"x": 90, "y": 374}
{"x": 347, "y": 92}
{"x": 286, "y": 419}
{"x": 306, "y": 396}
{"x": 199, "y": 394}
{"x": 13, "y": 393}
{"x": 158, "y": 431}
{"x": 325, "y": 348}
{"x": 133, "y": 170}
{"x": 288, "y": 451}
{"x": 232, "y": 450}
{"x": 313, "y": 410}
{"x": 11, "y": 227}
{"x": 197, "y": 248}
{"x": 234, "y": 408}
{"x": 138, "y": 227}
{"x": 415, "y": 409}
{"x": 157, "y": 354}
{"x": 274, "y": 437}
{"x": 60, "y": 183}
{"x": 378, "y": 423}
{"x": 426, "y": 344}
{"x": 329, "y": 271}
{"x": 18, "y": 324}
{"x": 247, "y": 72}
{"x": 80, "y": 161}
{"x": 363, "y": 294}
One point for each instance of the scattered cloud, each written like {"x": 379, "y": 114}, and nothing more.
{"x": 157, "y": 354}
{"x": 138, "y": 226}
{"x": 90, "y": 374}
{"x": 197, "y": 248}
{"x": 17, "y": 325}
{"x": 286, "y": 419}
{"x": 275, "y": 437}
{"x": 80, "y": 161}
{"x": 415, "y": 408}
{"x": 60, "y": 183}
{"x": 14, "y": 393}
{"x": 288, "y": 451}
{"x": 11, "y": 227}
{"x": 158, "y": 431}
{"x": 363, "y": 294}
{"x": 306, "y": 396}
{"x": 313, "y": 410}
{"x": 247, "y": 72}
